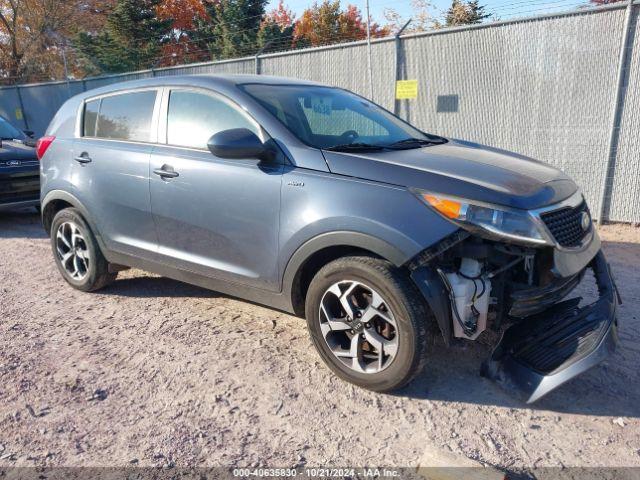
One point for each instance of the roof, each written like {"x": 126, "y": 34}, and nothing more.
{"x": 199, "y": 80}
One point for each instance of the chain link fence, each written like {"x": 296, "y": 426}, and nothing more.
{"x": 561, "y": 88}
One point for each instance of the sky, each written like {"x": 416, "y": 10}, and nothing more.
{"x": 502, "y": 8}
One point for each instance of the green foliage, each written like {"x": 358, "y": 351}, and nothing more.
{"x": 464, "y": 12}
{"x": 272, "y": 37}
{"x": 277, "y": 29}
{"x": 131, "y": 38}
{"x": 231, "y": 29}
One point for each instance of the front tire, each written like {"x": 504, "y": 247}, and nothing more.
{"x": 368, "y": 322}
{"x": 77, "y": 253}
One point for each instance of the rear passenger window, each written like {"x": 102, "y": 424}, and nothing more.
{"x": 90, "y": 118}
{"x": 126, "y": 116}
{"x": 194, "y": 117}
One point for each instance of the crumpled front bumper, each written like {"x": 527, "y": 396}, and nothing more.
{"x": 543, "y": 351}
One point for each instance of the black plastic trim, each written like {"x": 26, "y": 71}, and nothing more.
{"x": 435, "y": 293}
{"x": 72, "y": 200}
{"x": 531, "y": 385}
{"x": 531, "y": 301}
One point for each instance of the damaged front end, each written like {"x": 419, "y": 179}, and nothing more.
{"x": 546, "y": 349}
{"x": 472, "y": 282}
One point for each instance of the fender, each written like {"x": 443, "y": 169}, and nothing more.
{"x": 428, "y": 283}
{"x": 336, "y": 239}
{"x": 72, "y": 200}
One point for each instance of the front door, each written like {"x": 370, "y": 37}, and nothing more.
{"x": 214, "y": 216}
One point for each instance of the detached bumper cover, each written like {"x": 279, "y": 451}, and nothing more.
{"x": 543, "y": 351}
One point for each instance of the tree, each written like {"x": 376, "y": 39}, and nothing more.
{"x": 465, "y": 12}
{"x": 421, "y": 17}
{"x": 34, "y": 32}
{"x": 183, "y": 15}
{"x": 276, "y": 29}
{"x": 326, "y": 23}
{"x": 230, "y": 29}
{"x": 131, "y": 38}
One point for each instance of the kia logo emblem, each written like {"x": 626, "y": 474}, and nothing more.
{"x": 14, "y": 163}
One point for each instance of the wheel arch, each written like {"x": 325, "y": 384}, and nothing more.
{"x": 57, "y": 200}
{"x": 309, "y": 258}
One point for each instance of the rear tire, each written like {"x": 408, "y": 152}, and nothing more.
{"x": 381, "y": 343}
{"x": 77, "y": 253}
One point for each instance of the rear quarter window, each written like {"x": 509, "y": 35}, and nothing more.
{"x": 126, "y": 116}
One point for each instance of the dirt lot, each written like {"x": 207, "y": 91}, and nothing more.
{"x": 154, "y": 372}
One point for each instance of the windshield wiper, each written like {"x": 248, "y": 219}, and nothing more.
{"x": 399, "y": 145}
{"x": 415, "y": 142}
{"x": 355, "y": 146}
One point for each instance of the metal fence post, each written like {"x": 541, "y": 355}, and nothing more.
{"x": 66, "y": 71}
{"x": 21, "y": 103}
{"x": 398, "y": 73}
{"x": 257, "y": 56}
{"x": 369, "y": 66}
{"x": 616, "y": 114}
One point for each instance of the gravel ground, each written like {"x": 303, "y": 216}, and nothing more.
{"x": 153, "y": 372}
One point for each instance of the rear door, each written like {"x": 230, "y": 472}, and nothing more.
{"x": 111, "y": 168}
{"x": 215, "y": 217}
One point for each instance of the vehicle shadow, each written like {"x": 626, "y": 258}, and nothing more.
{"x": 452, "y": 374}
{"x": 609, "y": 389}
{"x": 147, "y": 286}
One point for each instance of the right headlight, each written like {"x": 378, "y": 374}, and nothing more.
{"x": 491, "y": 221}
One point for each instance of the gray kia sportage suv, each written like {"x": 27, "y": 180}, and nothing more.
{"x": 314, "y": 200}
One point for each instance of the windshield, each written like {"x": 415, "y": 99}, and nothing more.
{"x": 332, "y": 118}
{"x": 8, "y": 131}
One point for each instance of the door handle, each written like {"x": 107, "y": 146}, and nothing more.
{"x": 83, "y": 158}
{"x": 166, "y": 172}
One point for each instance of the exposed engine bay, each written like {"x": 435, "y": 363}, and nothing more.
{"x": 473, "y": 284}
{"x": 488, "y": 282}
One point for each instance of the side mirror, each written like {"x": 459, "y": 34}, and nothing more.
{"x": 29, "y": 133}
{"x": 237, "y": 143}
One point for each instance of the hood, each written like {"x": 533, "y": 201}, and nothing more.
{"x": 463, "y": 169}
{"x": 16, "y": 151}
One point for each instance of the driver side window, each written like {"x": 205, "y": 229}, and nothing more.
{"x": 193, "y": 117}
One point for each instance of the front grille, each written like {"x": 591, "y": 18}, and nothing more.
{"x": 565, "y": 224}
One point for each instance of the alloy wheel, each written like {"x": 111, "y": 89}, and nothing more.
{"x": 358, "y": 326}
{"x": 72, "y": 250}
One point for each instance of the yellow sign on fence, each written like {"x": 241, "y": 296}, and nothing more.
{"x": 19, "y": 115}
{"x": 406, "y": 89}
